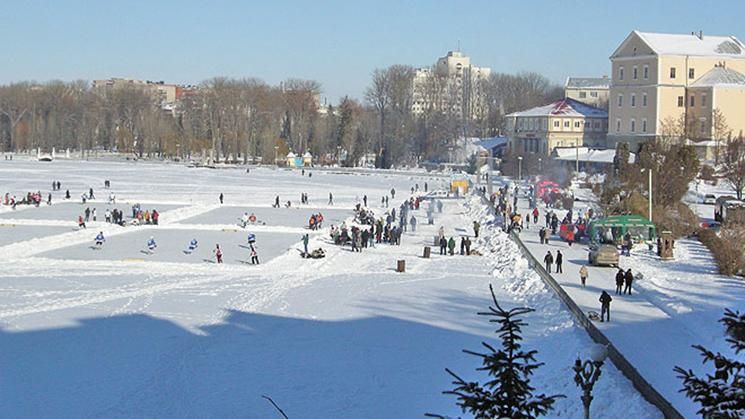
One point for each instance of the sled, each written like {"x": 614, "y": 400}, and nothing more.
{"x": 593, "y": 315}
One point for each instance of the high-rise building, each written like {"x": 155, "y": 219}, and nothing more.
{"x": 663, "y": 80}
{"x": 452, "y": 85}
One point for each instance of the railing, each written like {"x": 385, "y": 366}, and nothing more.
{"x": 627, "y": 369}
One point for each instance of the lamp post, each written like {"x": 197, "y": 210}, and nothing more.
{"x": 338, "y": 155}
{"x": 587, "y": 374}
{"x": 539, "y": 165}
{"x": 519, "y": 168}
{"x": 276, "y": 149}
{"x": 649, "y": 172}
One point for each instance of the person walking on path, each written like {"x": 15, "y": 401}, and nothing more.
{"x": 620, "y": 278}
{"x": 221, "y": 198}
{"x": 605, "y": 300}
{"x": 451, "y": 246}
{"x": 306, "y": 238}
{"x": 628, "y": 279}
{"x": 583, "y": 274}
{"x": 412, "y": 221}
{"x": 535, "y": 215}
{"x": 476, "y": 228}
{"x": 549, "y": 260}
{"x": 559, "y": 261}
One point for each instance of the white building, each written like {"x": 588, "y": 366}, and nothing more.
{"x": 453, "y": 85}
{"x": 593, "y": 91}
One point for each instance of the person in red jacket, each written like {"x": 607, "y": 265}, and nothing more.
{"x": 81, "y": 222}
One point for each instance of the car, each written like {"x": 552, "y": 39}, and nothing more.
{"x": 603, "y": 255}
{"x": 709, "y": 199}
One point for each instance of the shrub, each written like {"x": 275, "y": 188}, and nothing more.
{"x": 677, "y": 218}
{"x": 707, "y": 173}
{"x": 727, "y": 250}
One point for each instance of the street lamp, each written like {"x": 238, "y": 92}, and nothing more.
{"x": 649, "y": 172}
{"x": 588, "y": 372}
{"x": 539, "y": 165}
{"x": 519, "y": 168}
{"x": 338, "y": 155}
{"x": 276, "y": 149}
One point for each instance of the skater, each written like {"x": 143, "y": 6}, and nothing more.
{"x": 90, "y": 194}
{"x": 306, "y": 238}
{"x": 49, "y": 199}
{"x": 559, "y": 260}
{"x": 81, "y": 222}
{"x": 548, "y": 260}
{"x": 393, "y": 193}
{"x": 67, "y": 194}
{"x": 443, "y": 245}
{"x": 254, "y": 256}
{"x": 276, "y": 202}
{"x": 100, "y": 239}
{"x": 605, "y": 300}
{"x": 425, "y": 187}
{"x": 364, "y": 200}
{"x": 221, "y": 197}
{"x": 451, "y": 246}
{"x": 628, "y": 279}
{"x": 151, "y": 245}
{"x": 583, "y": 274}
{"x": 87, "y": 214}
{"x": 331, "y": 199}
{"x": 107, "y": 215}
{"x": 244, "y": 220}
{"x": 476, "y": 228}
{"x": 93, "y": 214}
{"x": 412, "y": 221}
{"x": 193, "y": 244}
{"x": 218, "y": 253}
{"x": 620, "y": 278}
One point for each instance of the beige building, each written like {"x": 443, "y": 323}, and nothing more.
{"x": 654, "y": 82}
{"x": 163, "y": 93}
{"x": 564, "y": 123}
{"x": 452, "y": 85}
{"x": 593, "y": 91}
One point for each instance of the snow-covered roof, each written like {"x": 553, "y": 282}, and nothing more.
{"x": 585, "y": 154}
{"x": 290, "y": 155}
{"x": 720, "y": 76}
{"x": 489, "y": 143}
{"x": 564, "y": 107}
{"x": 691, "y": 44}
{"x": 307, "y": 154}
{"x": 588, "y": 83}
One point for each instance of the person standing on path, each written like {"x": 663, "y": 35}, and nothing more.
{"x": 628, "y": 279}
{"x": 620, "y": 278}
{"x": 583, "y": 274}
{"x": 306, "y": 238}
{"x": 462, "y": 245}
{"x": 605, "y": 300}
{"x": 393, "y": 193}
{"x": 364, "y": 200}
{"x": 221, "y": 198}
{"x": 476, "y": 228}
{"x": 451, "y": 246}
{"x": 443, "y": 245}
{"x": 559, "y": 261}
{"x": 548, "y": 260}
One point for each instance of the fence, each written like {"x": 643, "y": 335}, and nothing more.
{"x": 627, "y": 369}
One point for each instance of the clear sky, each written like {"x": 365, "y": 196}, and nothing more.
{"x": 339, "y": 43}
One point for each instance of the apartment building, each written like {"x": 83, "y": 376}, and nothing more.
{"x": 659, "y": 78}
{"x": 593, "y": 91}
{"x": 451, "y": 85}
{"x": 564, "y": 123}
{"x": 164, "y": 94}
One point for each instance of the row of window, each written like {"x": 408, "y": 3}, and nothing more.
{"x": 583, "y": 95}
{"x": 533, "y": 124}
{"x": 645, "y": 72}
{"x": 692, "y": 101}
{"x": 632, "y": 98}
{"x": 632, "y": 125}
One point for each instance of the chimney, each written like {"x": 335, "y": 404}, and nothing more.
{"x": 701, "y": 35}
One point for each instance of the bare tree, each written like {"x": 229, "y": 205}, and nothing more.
{"x": 721, "y": 131}
{"x": 733, "y": 165}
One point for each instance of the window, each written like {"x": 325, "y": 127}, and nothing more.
{"x": 635, "y": 73}
{"x": 593, "y": 94}
{"x": 646, "y": 72}
{"x": 633, "y": 100}
{"x": 597, "y": 124}
{"x": 680, "y": 101}
{"x": 620, "y": 100}
{"x": 693, "y": 100}
{"x": 691, "y": 73}
{"x": 587, "y": 124}
{"x": 672, "y": 72}
{"x": 703, "y": 100}
{"x": 644, "y": 100}
{"x": 633, "y": 125}
{"x": 620, "y": 73}
{"x": 703, "y": 126}
{"x": 618, "y": 125}
{"x": 644, "y": 125}
{"x": 556, "y": 124}
{"x": 566, "y": 124}
{"x": 582, "y": 95}
{"x": 576, "y": 124}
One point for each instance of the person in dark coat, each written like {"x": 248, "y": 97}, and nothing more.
{"x": 221, "y": 197}
{"x": 559, "y": 260}
{"x": 443, "y": 246}
{"x": 628, "y": 279}
{"x": 549, "y": 260}
{"x": 620, "y": 278}
{"x": 605, "y": 300}
{"x": 462, "y": 245}
{"x": 451, "y": 246}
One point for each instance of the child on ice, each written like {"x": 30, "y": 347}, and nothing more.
{"x": 193, "y": 244}
{"x": 151, "y": 245}
{"x": 100, "y": 239}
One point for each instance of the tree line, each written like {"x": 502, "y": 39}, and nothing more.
{"x": 244, "y": 120}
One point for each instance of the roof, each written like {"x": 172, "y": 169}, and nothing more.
{"x": 588, "y": 83}
{"x": 720, "y": 76}
{"x": 491, "y": 143}
{"x": 691, "y": 44}
{"x": 585, "y": 154}
{"x": 564, "y": 107}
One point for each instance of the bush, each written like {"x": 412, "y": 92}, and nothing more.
{"x": 726, "y": 250}
{"x": 707, "y": 173}
{"x": 677, "y": 218}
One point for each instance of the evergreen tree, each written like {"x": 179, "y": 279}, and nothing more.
{"x": 721, "y": 395}
{"x": 508, "y": 393}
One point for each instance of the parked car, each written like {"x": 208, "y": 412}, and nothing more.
{"x": 709, "y": 199}
{"x": 603, "y": 255}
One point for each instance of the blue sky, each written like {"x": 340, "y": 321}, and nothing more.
{"x": 338, "y": 43}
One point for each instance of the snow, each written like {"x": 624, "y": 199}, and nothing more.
{"x": 691, "y": 44}
{"x": 674, "y": 304}
{"x": 720, "y": 77}
{"x": 117, "y": 333}
{"x": 563, "y": 107}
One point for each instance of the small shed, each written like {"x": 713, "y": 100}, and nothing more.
{"x": 307, "y": 159}
{"x": 614, "y": 227}
{"x": 291, "y": 159}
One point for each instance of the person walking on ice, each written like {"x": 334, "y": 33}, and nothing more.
{"x": 331, "y": 198}
{"x": 548, "y": 260}
{"x": 583, "y": 274}
{"x": 605, "y": 300}
{"x": 218, "y": 253}
{"x": 81, "y": 222}
{"x": 99, "y": 239}
{"x": 221, "y": 197}
{"x": 193, "y": 244}
{"x": 306, "y": 238}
